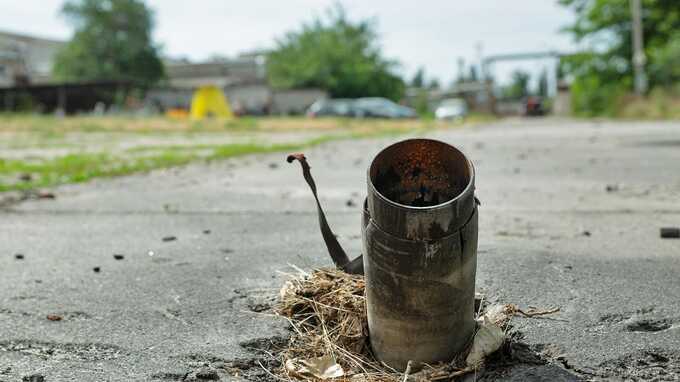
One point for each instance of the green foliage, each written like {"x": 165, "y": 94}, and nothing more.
{"x": 24, "y": 103}
{"x": 665, "y": 62}
{"x": 473, "y": 77}
{"x": 94, "y": 146}
{"x": 337, "y": 55}
{"x": 464, "y": 75}
{"x": 543, "y": 84}
{"x": 604, "y": 74}
{"x": 660, "y": 104}
{"x": 422, "y": 104}
{"x": 112, "y": 41}
{"x": 591, "y": 96}
{"x": 519, "y": 87}
{"x": 598, "y": 80}
{"x": 418, "y": 80}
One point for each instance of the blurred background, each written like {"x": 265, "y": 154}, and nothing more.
{"x": 113, "y": 65}
{"x": 570, "y": 56}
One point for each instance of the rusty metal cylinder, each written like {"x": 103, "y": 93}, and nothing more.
{"x": 420, "y": 252}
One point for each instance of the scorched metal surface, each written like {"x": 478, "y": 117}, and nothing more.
{"x": 420, "y": 252}
{"x": 419, "y": 230}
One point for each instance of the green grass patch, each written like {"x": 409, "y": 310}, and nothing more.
{"x": 82, "y": 167}
{"x": 85, "y": 134}
{"x": 76, "y": 168}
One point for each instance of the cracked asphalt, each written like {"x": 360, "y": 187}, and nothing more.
{"x": 570, "y": 218}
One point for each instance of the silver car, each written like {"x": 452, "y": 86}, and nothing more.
{"x": 377, "y": 107}
{"x": 338, "y": 107}
{"x": 453, "y": 108}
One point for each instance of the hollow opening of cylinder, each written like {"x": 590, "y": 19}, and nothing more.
{"x": 420, "y": 173}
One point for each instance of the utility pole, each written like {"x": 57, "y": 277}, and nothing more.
{"x": 461, "y": 70}
{"x": 479, "y": 48}
{"x": 639, "y": 58}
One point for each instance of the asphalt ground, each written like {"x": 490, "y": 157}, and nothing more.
{"x": 570, "y": 218}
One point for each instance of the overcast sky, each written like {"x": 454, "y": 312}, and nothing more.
{"x": 429, "y": 33}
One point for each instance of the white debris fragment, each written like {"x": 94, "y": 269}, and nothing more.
{"x": 287, "y": 286}
{"x": 488, "y": 339}
{"x": 321, "y": 367}
{"x": 499, "y": 314}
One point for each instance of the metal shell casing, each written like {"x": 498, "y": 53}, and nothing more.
{"x": 420, "y": 252}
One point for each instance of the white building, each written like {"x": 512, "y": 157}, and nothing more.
{"x": 26, "y": 59}
{"x": 242, "y": 79}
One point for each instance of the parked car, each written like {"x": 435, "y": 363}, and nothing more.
{"x": 453, "y": 108}
{"x": 339, "y": 107}
{"x": 370, "y": 107}
{"x": 377, "y": 107}
{"x": 534, "y": 106}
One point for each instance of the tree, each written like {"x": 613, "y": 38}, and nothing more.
{"x": 337, "y": 55}
{"x": 460, "y": 77}
{"x": 112, "y": 41}
{"x": 603, "y": 73}
{"x": 664, "y": 60}
{"x": 543, "y": 84}
{"x": 473, "y": 74}
{"x": 422, "y": 102}
{"x": 434, "y": 84}
{"x": 418, "y": 80}
{"x": 519, "y": 87}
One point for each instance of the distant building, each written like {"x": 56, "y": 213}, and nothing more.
{"x": 26, "y": 66}
{"x": 242, "y": 79}
{"x": 222, "y": 72}
{"x": 562, "y": 103}
{"x": 26, "y": 59}
{"x": 26, "y": 82}
{"x": 477, "y": 95}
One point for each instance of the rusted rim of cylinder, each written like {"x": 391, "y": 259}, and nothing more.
{"x": 468, "y": 188}
{"x": 460, "y": 205}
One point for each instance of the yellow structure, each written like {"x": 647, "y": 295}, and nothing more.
{"x": 209, "y": 101}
